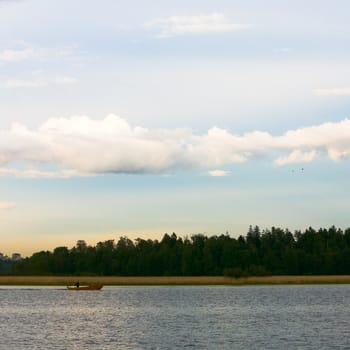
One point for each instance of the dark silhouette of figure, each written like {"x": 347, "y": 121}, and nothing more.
{"x": 77, "y": 284}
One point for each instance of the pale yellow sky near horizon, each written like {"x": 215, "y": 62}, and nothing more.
{"x": 27, "y": 245}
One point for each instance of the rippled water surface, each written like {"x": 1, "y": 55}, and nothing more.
{"x": 269, "y": 317}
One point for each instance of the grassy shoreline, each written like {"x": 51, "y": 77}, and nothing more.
{"x": 188, "y": 280}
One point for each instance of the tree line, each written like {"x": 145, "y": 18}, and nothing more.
{"x": 272, "y": 251}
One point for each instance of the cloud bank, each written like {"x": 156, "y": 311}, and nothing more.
{"x": 201, "y": 24}
{"x": 81, "y": 146}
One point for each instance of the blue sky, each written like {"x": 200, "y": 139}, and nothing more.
{"x": 139, "y": 118}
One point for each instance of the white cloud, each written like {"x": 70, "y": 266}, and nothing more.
{"x": 30, "y": 52}
{"x": 41, "y": 174}
{"x": 218, "y": 173}
{"x": 297, "y": 156}
{"x": 16, "y": 55}
{"x": 201, "y": 24}
{"x": 332, "y": 92}
{"x": 39, "y": 83}
{"x": 7, "y": 205}
{"x": 81, "y": 146}
{"x": 335, "y": 153}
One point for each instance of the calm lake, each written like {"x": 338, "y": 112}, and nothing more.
{"x": 252, "y": 317}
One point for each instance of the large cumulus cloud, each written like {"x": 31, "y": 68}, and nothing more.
{"x": 79, "y": 145}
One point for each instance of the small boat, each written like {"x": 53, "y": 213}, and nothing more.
{"x": 96, "y": 286}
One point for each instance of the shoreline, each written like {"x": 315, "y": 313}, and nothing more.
{"x": 171, "y": 281}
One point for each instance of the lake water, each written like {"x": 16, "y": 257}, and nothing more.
{"x": 254, "y": 317}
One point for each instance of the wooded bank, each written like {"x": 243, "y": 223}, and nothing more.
{"x": 270, "y": 252}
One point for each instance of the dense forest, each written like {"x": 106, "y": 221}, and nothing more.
{"x": 268, "y": 252}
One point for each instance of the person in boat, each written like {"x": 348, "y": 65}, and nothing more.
{"x": 77, "y": 284}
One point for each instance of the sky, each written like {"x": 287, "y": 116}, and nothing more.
{"x": 139, "y": 118}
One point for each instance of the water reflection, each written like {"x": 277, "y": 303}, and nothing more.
{"x": 289, "y": 317}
